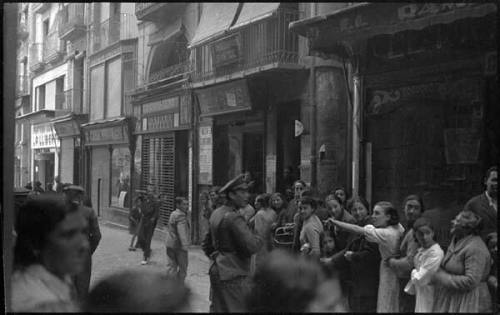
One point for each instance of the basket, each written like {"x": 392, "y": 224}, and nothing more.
{"x": 283, "y": 236}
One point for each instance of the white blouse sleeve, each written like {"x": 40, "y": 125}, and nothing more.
{"x": 378, "y": 235}
{"x": 429, "y": 266}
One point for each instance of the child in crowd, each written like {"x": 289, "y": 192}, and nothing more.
{"x": 328, "y": 244}
{"x": 427, "y": 260}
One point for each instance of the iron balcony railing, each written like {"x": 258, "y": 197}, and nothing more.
{"x": 106, "y": 33}
{"x": 69, "y": 101}
{"x": 53, "y": 47}
{"x": 261, "y": 43}
{"x": 72, "y": 20}
{"x": 36, "y": 56}
{"x": 22, "y": 86}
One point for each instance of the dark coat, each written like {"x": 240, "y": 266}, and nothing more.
{"x": 147, "y": 224}
{"x": 82, "y": 280}
{"x": 480, "y": 205}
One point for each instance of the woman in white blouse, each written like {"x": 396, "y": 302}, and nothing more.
{"x": 427, "y": 260}
{"x": 51, "y": 246}
{"x": 386, "y": 231}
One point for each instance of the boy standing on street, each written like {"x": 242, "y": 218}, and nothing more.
{"x": 178, "y": 239}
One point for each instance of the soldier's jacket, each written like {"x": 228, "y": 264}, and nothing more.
{"x": 230, "y": 243}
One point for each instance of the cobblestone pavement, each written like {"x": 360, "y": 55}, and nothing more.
{"x": 112, "y": 255}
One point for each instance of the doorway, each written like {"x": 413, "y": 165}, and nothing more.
{"x": 253, "y": 153}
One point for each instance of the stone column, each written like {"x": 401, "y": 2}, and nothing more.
{"x": 331, "y": 102}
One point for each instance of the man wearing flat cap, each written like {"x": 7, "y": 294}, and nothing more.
{"x": 74, "y": 198}
{"x": 229, "y": 244}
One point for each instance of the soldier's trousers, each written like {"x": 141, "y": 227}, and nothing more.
{"x": 228, "y": 295}
{"x": 177, "y": 262}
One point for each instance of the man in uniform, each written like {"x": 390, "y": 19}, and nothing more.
{"x": 229, "y": 244}
{"x": 74, "y": 198}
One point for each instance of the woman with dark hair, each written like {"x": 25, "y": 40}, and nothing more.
{"x": 278, "y": 202}
{"x": 341, "y": 193}
{"x": 461, "y": 282}
{"x": 51, "y": 246}
{"x": 337, "y": 211}
{"x": 413, "y": 207}
{"x": 386, "y": 231}
{"x": 427, "y": 261}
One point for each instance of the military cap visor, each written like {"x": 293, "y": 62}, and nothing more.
{"x": 237, "y": 183}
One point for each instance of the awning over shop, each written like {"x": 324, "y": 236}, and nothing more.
{"x": 216, "y": 18}
{"x": 364, "y": 20}
{"x": 68, "y": 125}
{"x": 255, "y": 11}
{"x": 170, "y": 32}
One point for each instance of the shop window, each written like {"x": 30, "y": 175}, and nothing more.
{"x": 120, "y": 177}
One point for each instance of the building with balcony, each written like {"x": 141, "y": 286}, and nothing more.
{"x": 162, "y": 104}
{"x": 111, "y": 74}
{"x": 250, "y": 87}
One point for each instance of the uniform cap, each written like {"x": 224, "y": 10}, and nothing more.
{"x": 237, "y": 183}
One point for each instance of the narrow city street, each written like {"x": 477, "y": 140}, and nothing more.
{"x": 113, "y": 255}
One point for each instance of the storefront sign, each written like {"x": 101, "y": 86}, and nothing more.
{"x": 43, "y": 136}
{"x": 66, "y": 128}
{"x": 205, "y": 160}
{"x": 164, "y": 114}
{"x": 461, "y": 146}
{"x": 226, "y": 51}
{"x": 107, "y": 135}
{"x": 229, "y": 97}
{"x": 165, "y": 121}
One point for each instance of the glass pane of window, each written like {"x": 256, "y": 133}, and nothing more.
{"x": 120, "y": 177}
{"x": 97, "y": 93}
{"x": 114, "y": 88}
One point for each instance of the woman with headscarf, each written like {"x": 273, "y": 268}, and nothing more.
{"x": 461, "y": 282}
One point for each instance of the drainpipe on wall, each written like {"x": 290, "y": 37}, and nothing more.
{"x": 312, "y": 103}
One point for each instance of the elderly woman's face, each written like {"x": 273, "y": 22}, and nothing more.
{"x": 67, "y": 246}
{"x": 460, "y": 225}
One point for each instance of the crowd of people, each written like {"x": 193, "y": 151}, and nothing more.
{"x": 379, "y": 264}
{"x": 269, "y": 253}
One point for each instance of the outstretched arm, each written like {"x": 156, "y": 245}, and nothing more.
{"x": 352, "y": 228}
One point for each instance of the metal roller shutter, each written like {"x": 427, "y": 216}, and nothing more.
{"x": 158, "y": 165}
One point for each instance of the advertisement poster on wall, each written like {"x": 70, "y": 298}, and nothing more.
{"x": 206, "y": 147}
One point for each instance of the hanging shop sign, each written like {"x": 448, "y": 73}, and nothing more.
{"x": 67, "y": 128}
{"x": 43, "y": 136}
{"x": 205, "y": 151}
{"x": 226, "y": 51}
{"x": 116, "y": 134}
{"x": 224, "y": 98}
{"x": 165, "y": 114}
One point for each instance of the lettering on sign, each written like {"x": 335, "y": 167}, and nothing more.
{"x": 43, "y": 136}
{"x": 417, "y": 10}
{"x": 165, "y": 121}
{"x": 205, "y": 155}
{"x": 68, "y": 128}
{"x": 107, "y": 134}
{"x": 171, "y": 103}
{"x": 226, "y": 97}
{"x": 226, "y": 51}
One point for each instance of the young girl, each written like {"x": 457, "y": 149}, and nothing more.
{"x": 328, "y": 245}
{"x": 427, "y": 260}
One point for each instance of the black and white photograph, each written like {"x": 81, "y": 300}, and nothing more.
{"x": 256, "y": 157}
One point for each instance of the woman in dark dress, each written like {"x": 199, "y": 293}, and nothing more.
{"x": 147, "y": 224}
{"x": 360, "y": 261}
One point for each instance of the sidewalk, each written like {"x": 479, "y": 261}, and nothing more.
{"x": 112, "y": 255}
